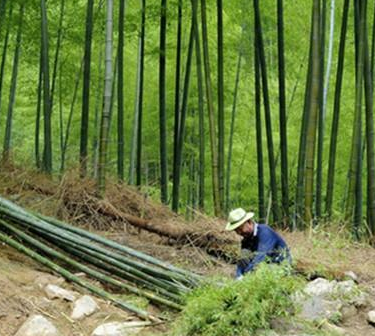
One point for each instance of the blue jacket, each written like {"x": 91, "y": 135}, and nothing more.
{"x": 264, "y": 243}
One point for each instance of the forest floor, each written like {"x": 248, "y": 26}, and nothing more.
{"x": 318, "y": 252}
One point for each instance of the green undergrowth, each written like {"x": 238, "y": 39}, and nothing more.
{"x": 230, "y": 307}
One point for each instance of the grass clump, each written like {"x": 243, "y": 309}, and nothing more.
{"x": 238, "y": 307}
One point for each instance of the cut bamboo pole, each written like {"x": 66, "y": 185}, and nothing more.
{"x": 81, "y": 243}
{"x": 75, "y": 279}
{"x": 194, "y": 278}
{"x": 89, "y": 271}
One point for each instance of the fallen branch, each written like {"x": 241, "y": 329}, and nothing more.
{"x": 181, "y": 235}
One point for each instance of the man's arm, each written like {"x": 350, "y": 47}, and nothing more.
{"x": 266, "y": 244}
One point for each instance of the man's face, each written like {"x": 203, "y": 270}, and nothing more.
{"x": 246, "y": 229}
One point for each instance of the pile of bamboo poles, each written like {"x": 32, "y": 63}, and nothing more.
{"x": 66, "y": 249}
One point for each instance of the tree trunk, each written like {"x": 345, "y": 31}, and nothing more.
{"x": 220, "y": 100}
{"x": 313, "y": 113}
{"x": 57, "y": 52}
{"x": 282, "y": 111}
{"x": 13, "y": 87}
{"x": 181, "y": 133}
{"x": 336, "y": 111}
{"x": 162, "y": 104}
{"x": 47, "y": 152}
{"x": 369, "y": 137}
{"x": 230, "y": 146}
{"x": 259, "y": 140}
{"x": 120, "y": 93}
{"x": 211, "y": 113}
{"x": 356, "y": 151}
{"x": 201, "y": 179}
{"x": 267, "y": 110}
{"x": 5, "y": 51}
{"x": 177, "y": 90}
{"x": 86, "y": 89}
{"x": 136, "y": 148}
{"x": 104, "y": 125}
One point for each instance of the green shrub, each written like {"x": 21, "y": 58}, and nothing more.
{"x": 238, "y": 307}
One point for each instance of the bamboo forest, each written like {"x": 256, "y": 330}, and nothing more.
{"x": 204, "y": 104}
{"x": 187, "y": 168}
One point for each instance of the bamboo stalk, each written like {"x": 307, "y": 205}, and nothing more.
{"x": 93, "y": 273}
{"x": 178, "y": 273}
{"x": 71, "y": 277}
{"x": 106, "y": 265}
{"x": 130, "y": 266}
{"x": 88, "y": 246}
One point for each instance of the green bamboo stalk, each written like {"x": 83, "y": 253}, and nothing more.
{"x": 86, "y": 88}
{"x": 118, "y": 272}
{"x": 336, "y": 111}
{"x": 13, "y": 87}
{"x": 201, "y": 179}
{"x": 105, "y": 256}
{"x": 259, "y": 144}
{"x": 99, "y": 252}
{"x": 356, "y": 152}
{"x": 282, "y": 112}
{"x": 194, "y": 278}
{"x": 231, "y": 132}
{"x": 313, "y": 113}
{"x": 220, "y": 100}
{"x": 162, "y": 103}
{"x": 182, "y": 122}
{"x": 178, "y": 274}
{"x": 75, "y": 279}
{"x": 211, "y": 113}
{"x": 369, "y": 138}
{"x": 89, "y": 271}
{"x": 267, "y": 109}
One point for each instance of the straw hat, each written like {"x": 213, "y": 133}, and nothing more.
{"x": 237, "y": 217}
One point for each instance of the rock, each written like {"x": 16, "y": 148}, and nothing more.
{"x": 37, "y": 325}
{"x": 84, "y": 306}
{"x": 44, "y": 279}
{"x": 320, "y": 287}
{"x": 119, "y": 328}
{"x": 351, "y": 275}
{"x": 345, "y": 288}
{"x": 334, "y": 329}
{"x": 371, "y": 317}
{"x": 317, "y": 308}
{"x": 348, "y": 311}
{"x": 56, "y": 292}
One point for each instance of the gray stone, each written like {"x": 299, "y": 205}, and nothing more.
{"x": 56, "y": 292}
{"x": 359, "y": 300}
{"x": 348, "y": 311}
{"x": 334, "y": 329}
{"x": 371, "y": 317}
{"x": 317, "y": 308}
{"x": 37, "y": 325}
{"x": 119, "y": 328}
{"x": 345, "y": 288}
{"x": 44, "y": 279}
{"x": 84, "y": 306}
{"x": 320, "y": 287}
{"x": 351, "y": 275}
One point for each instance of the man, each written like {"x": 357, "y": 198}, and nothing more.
{"x": 259, "y": 243}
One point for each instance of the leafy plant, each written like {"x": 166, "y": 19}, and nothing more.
{"x": 234, "y": 307}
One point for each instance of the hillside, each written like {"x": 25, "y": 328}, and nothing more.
{"x": 316, "y": 253}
